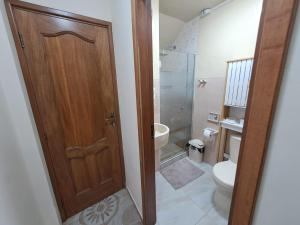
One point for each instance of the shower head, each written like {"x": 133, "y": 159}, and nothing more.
{"x": 205, "y": 12}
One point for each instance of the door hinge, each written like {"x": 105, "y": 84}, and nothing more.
{"x": 21, "y": 40}
{"x": 152, "y": 131}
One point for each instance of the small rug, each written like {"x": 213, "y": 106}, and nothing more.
{"x": 181, "y": 173}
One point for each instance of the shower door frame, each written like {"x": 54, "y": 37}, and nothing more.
{"x": 189, "y": 96}
{"x": 269, "y": 63}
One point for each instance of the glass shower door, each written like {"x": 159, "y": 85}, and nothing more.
{"x": 176, "y": 100}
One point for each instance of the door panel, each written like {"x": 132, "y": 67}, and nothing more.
{"x": 72, "y": 77}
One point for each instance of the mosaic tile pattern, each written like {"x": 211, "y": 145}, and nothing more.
{"x": 117, "y": 209}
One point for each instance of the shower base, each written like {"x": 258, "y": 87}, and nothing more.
{"x": 172, "y": 159}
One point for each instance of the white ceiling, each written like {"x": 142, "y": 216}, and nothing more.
{"x": 185, "y": 9}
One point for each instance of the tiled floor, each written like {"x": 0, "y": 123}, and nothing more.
{"x": 189, "y": 205}
{"x": 169, "y": 151}
{"x": 176, "y": 145}
{"x": 117, "y": 209}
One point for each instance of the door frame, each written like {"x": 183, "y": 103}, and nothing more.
{"x": 142, "y": 47}
{"x": 275, "y": 29}
{"x": 10, "y": 4}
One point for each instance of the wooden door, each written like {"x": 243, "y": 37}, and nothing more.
{"x": 70, "y": 78}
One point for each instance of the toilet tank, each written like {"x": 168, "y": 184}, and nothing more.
{"x": 234, "y": 147}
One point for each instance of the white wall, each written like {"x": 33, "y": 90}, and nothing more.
{"x": 169, "y": 28}
{"x": 155, "y": 37}
{"x": 17, "y": 201}
{"x": 41, "y": 208}
{"x": 24, "y": 133}
{"x": 156, "y": 61}
{"x": 99, "y": 9}
{"x": 279, "y": 199}
{"x": 228, "y": 33}
{"x": 122, "y": 33}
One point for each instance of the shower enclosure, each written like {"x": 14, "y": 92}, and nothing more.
{"x": 176, "y": 100}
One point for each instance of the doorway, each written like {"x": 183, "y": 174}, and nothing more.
{"x": 204, "y": 82}
{"x": 258, "y": 119}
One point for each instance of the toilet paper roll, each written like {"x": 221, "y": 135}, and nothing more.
{"x": 207, "y": 133}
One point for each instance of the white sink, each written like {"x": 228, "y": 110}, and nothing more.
{"x": 161, "y": 135}
{"x": 232, "y": 125}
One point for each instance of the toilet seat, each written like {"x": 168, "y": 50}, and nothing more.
{"x": 224, "y": 173}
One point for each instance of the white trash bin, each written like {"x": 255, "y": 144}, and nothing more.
{"x": 196, "y": 150}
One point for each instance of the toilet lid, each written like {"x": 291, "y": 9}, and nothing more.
{"x": 224, "y": 173}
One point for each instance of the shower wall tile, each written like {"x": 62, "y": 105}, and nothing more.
{"x": 173, "y": 100}
{"x": 173, "y": 62}
{"x": 187, "y": 40}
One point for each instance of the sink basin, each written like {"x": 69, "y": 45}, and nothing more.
{"x": 161, "y": 135}
{"x": 231, "y": 125}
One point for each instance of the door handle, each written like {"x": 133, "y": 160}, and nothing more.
{"x": 111, "y": 119}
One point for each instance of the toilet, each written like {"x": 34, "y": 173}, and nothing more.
{"x": 224, "y": 176}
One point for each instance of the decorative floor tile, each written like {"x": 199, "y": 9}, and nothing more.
{"x": 117, "y": 209}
